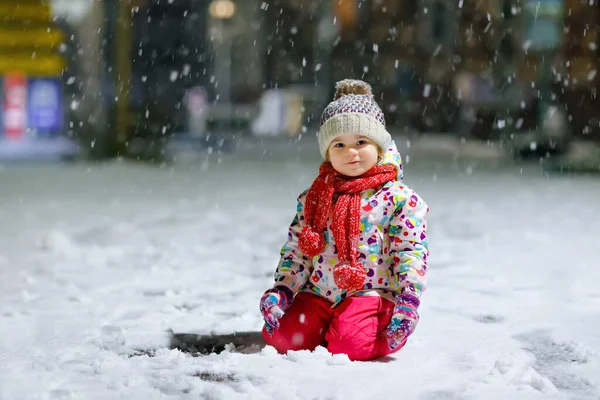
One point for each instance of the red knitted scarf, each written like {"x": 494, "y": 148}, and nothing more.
{"x": 348, "y": 274}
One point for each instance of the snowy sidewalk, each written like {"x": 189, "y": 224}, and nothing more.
{"x": 98, "y": 262}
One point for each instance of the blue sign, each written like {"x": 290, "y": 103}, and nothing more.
{"x": 43, "y": 136}
{"x": 44, "y": 106}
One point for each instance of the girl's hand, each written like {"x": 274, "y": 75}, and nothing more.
{"x": 273, "y": 304}
{"x": 404, "y": 320}
{"x": 398, "y": 330}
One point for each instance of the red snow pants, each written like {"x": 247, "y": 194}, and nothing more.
{"x": 356, "y": 326}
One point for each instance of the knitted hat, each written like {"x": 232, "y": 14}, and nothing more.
{"x": 353, "y": 112}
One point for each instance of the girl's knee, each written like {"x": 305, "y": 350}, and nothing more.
{"x": 358, "y": 345}
{"x": 291, "y": 341}
{"x": 279, "y": 342}
{"x": 293, "y": 336}
{"x": 361, "y": 349}
{"x": 355, "y": 350}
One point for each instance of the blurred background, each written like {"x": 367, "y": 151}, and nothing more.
{"x": 147, "y": 78}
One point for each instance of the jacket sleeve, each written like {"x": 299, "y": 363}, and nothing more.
{"x": 409, "y": 248}
{"x": 294, "y": 267}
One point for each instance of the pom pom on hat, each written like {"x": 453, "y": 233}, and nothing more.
{"x": 352, "y": 86}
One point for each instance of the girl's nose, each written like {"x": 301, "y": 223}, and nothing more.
{"x": 353, "y": 151}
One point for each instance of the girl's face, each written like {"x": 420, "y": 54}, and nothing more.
{"x": 352, "y": 155}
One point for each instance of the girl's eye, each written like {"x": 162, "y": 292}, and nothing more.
{"x": 339, "y": 145}
{"x": 361, "y": 142}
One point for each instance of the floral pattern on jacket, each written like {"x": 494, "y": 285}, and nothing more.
{"x": 392, "y": 245}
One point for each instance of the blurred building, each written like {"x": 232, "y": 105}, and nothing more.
{"x": 32, "y": 81}
{"x": 479, "y": 68}
{"x": 577, "y": 67}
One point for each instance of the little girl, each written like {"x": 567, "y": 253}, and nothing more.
{"x": 353, "y": 268}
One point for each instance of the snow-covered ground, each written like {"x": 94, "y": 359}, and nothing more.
{"x": 97, "y": 262}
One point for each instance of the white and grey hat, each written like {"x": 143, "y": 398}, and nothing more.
{"x": 353, "y": 111}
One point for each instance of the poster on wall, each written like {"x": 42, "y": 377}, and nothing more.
{"x": 14, "y": 107}
{"x": 44, "y": 106}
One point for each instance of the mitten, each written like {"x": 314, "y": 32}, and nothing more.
{"x": 404, "y": 319}
{"x": 273, "y": 304}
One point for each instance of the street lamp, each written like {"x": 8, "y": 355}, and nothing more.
{"x": 222, "y": 9}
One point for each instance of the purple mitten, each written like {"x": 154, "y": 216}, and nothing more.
{"x": 404, "y": 319}
{"x": 273, "y": 304}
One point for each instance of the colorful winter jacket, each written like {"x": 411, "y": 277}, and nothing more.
{"x": 392, "y": 245}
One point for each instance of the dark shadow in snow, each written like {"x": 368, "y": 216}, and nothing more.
{"x": 140, "y": 353}
{"x": 440, "y": 395}
{"x": 215, "y": 377}
{"x": 234, "y": 380}
{"x": 489, "y": 319}
{"x": 198, "y": 344}
{"x": 155, "y": 293}
{"x": 551, "y": 357}
{"x": 383, "y": 360}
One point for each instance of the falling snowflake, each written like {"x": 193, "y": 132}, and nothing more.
{"x": 426, "y": 90}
